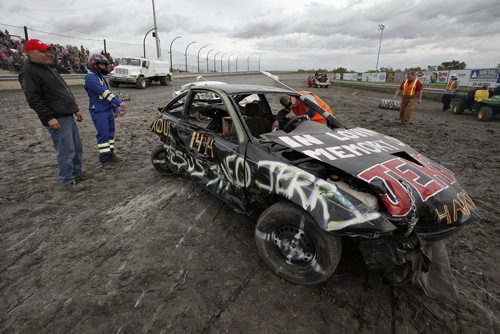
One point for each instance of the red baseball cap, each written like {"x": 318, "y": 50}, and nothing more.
{"x": 35, "y": 44}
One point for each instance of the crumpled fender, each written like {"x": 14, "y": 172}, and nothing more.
{"x": 333, "y": 209}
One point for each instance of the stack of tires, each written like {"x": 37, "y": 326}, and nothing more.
{"x": 389, "y": 104}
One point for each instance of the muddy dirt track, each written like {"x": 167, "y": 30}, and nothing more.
{"x": 140, "y": 253}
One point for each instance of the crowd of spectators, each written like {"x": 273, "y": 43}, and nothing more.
{"x": 67, "y": 59}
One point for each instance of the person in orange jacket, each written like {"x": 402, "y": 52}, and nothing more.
{"x": 291, "y": 103}
{"x": 412, "y": 93}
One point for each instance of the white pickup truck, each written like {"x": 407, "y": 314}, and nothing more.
{"x": 140, "y": 71}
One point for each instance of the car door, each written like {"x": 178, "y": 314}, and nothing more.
{"x": 211, "y": 135}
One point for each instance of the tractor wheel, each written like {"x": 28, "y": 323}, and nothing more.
{"x": 484, "y": 113}
{"x": 458, "y": 108}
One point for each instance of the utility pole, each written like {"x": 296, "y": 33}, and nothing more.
{"x": 158, "y": 49}
{"x": 381, "y": 28}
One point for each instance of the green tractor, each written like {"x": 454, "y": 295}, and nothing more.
{"x": 485, "y": 109}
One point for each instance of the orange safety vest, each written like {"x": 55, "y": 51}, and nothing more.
{"x": 451, "y": 85}
{"x": 409, "y": 89}
{"x": 301, "y": 108}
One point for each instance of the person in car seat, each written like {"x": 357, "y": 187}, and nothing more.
{"x": 291, "y": 103}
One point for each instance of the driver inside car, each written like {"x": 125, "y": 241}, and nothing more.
{"x": 290, "y": 103}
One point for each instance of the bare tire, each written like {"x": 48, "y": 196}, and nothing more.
{"x": 389, "y": 104}
{"x": 484, "y": 113}
{"x": 163, "y": 81}
{"x": 294, "y": 247}
{"x": 458, "y": 108}
{"x": 141, "y": 83}
{"x": 114, "y": 84}
{"x": 160, "y": 161}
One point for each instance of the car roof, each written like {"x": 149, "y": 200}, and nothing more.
{"x": 231, "y": 89}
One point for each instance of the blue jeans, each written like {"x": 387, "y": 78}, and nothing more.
{"x": 68, "y": 148}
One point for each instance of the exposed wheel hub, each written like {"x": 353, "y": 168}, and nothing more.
{"x": 294, "y": 244}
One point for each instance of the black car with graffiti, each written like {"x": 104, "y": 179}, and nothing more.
{"x": 311, "y": 185}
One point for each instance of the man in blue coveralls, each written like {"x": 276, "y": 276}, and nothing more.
{"x": 104, "y": 106}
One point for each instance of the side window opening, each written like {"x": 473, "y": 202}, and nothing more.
{"x": 208, "y": 111}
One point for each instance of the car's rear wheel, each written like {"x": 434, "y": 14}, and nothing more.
{"x": 484, "y": 113}
{"x": 458, "y": 108}
{"x": 141, "y": 83}
{"x": 160, "y": 161}
{"x": 294, "y": 247}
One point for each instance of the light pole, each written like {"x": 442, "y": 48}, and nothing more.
{"x": 171, "y": 52}
{"x": 229, "y": 63}
{"x": 381, "y": 28}
{"x": 144, "y": 41}
{"x": 207, "y": 57}
{"x": 237, "y": 61}
{"x": 158, "y": 48}
{"x": 215, "y": 66}
{"x": 221, "y": 67}
{"x": 248, "y": 63}
{"x": 186, "y": 54}
{"x": 259, "y": 62}
{"x": 199, "y": 56}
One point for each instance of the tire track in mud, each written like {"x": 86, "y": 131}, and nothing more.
{"x": 232, "y": 297}
{"x": 97, "y": 256}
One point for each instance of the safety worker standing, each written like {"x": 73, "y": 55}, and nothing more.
{"x": 412, "y": 93}
{"x": 104, "y": 106}
{"x": 449, "y": 91}
{"x": 291, "y": 103}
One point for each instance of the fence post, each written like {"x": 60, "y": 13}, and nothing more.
{"x": 105, "y": 51}
{"x": 25, "y": 33}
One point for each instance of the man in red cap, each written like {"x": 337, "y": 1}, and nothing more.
{"x": 50, "y": 97}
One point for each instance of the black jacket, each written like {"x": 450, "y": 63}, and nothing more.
{"x": 46, "y": 92}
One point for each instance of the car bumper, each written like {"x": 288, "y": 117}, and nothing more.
{"x": 123, "y": 79}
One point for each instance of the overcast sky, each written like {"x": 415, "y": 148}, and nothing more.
{"x": 285, "y": 34}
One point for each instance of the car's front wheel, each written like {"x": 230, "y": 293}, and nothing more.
{"x": 160, "y": 162}
{"x": 291, "y": 243}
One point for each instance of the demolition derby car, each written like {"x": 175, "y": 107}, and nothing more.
{"x": 311, "y": 186}
{"x": 319, "y": 80}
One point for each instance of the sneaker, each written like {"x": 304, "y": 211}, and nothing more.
{"x": 72, "y": 187}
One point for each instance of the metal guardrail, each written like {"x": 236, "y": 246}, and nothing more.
{"x": 13, "y": 77}
{"x": 386, "y": 85}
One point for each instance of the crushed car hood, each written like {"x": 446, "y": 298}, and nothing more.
{"x": 409, "y": 184}
{"x": 351, "y": 150}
